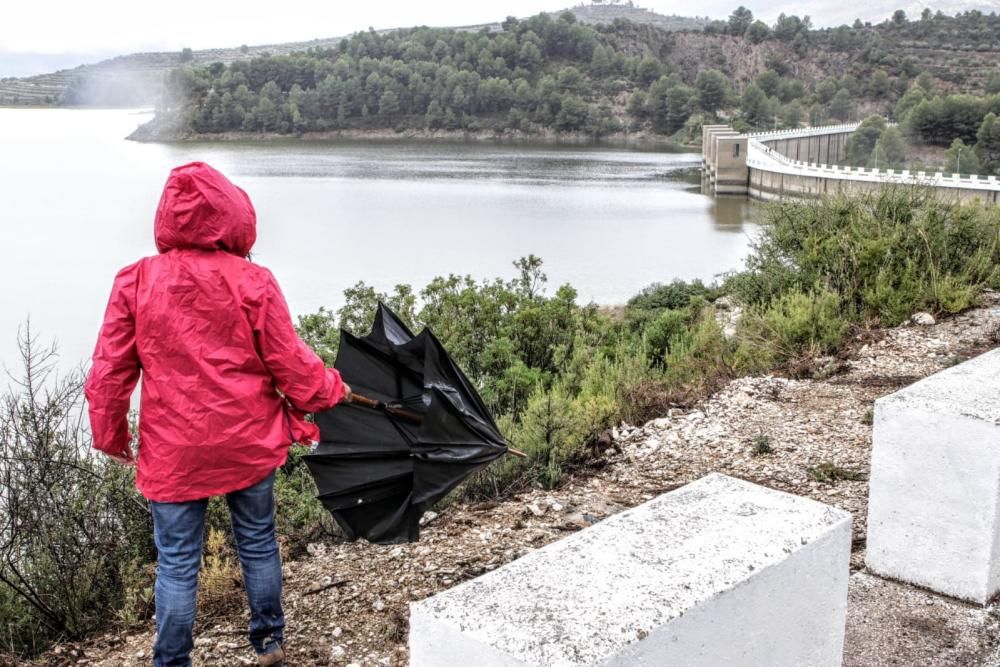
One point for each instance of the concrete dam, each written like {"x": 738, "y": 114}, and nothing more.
{"x": 803, "y": 163}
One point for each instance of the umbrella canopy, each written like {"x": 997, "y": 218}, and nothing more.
{"x": 377, "y": 471}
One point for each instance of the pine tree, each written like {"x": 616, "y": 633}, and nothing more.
{"x": 961, "y": 159}
{"x": 988, "y": 144}
{"x": 713, "y": 89}
{"x": 388, "y": 104}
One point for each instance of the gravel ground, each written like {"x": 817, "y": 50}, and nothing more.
{"x": 347, "y": 603}
{"x": 894, "y": 625}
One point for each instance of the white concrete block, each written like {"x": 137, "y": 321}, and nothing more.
{"x": 718, "y": 572}
{"x": 935, "y": 482}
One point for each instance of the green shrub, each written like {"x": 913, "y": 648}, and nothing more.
{"x": 298, "y": 510}
{"x": 828, "y": 473}
{"x": 762, "y": 445}
{"x": 674, "y": 295}
{"x": 664, "y": 331}
{"x": 798, "y": 322}
{"x": 73, "y": 525}
{"x": 886, "y": 255}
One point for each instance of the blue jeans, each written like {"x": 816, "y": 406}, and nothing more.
{"x": 179, "y": 530}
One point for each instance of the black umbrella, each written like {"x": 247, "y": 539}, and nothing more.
{"x": 415, "y": 429}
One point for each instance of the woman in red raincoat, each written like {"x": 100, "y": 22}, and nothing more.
{"x": 225, "y": 380}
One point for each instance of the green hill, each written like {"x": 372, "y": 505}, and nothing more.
{"x": 136, "y": 79}
{"x": 550, "y": 74}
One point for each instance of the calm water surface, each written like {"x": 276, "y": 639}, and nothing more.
{"x": 77, "y": 203}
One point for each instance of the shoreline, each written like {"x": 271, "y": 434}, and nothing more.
{"x": 145, "y": 134}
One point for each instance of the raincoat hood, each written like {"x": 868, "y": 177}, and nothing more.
{"x": 200, "y": 208}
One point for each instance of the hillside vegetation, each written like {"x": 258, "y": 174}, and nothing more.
{"x": 555, "y": 74}
{"x": 136, "y": 79}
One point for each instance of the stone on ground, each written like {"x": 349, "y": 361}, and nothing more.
{"x": 934, "y": 501}
{"x": 720, "y": 571}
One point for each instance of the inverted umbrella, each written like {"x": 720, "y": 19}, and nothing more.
{"x": 415, "y": 429}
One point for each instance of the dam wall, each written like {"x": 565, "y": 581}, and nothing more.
{"x": 801, "y": 164}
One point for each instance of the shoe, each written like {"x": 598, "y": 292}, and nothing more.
{"x": 275, "y": 658}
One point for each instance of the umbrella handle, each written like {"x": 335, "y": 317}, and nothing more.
{"x": 364, "y": 401}
{"x": 411, "y": 417}
{"x": 373, "y": 404}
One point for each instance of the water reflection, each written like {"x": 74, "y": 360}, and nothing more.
{"x": 729, "y": 214}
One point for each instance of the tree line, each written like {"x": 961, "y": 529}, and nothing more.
{"x": 535, "y": 72}
{"x": 552, "y": 73}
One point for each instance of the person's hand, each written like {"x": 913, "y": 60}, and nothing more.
{"x": 126, "y": 460}
{"x": 347, "y": 394}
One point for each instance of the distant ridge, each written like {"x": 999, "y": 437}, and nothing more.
{"x": 132, "y": 79}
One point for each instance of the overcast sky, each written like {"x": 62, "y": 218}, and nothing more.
{"x": 54, "y": 26}
{"x": 125, "y": 26}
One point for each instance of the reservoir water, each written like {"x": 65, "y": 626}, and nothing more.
{"x": 77, "y": 204}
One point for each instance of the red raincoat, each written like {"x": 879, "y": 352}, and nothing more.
{"x": 214, "y": 341}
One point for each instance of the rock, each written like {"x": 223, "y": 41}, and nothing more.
{"x": 606, "y": 439}
{"x": 535, "y": 509}
{"x": 337, "y": 631}
{"x": 203, "y": 641}
{"x": 728, "y": 316}
{"x": 922, "y": 319}
{"x": 724, "y": 302}
{"x": 338, "y": 653}
{"x": 576, "y": 521}
{"x": 315, "y": 549}
{"x": 378, "y": 605}
{"x": 428, "y": 517}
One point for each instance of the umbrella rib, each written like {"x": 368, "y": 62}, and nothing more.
{"x": 411, "y": 417}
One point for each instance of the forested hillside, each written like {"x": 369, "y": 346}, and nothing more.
{"x": 136, "y": 79}
{"x": 556, "y": 74}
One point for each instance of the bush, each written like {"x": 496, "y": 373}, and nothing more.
{"x": 298, "y": 511}
{"x": 675, "y": 295}
{"x": 798, "y": 322}
{"x": 74, "y": 532}
{"x": 886, "y": 255}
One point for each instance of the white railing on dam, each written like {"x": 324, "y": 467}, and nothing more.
{"x": 769, "y": 165}
{"x": 819, "y": 130}
{"x": 761, "y": 157}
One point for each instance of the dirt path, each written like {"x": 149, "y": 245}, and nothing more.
{"x": 346, "y": 604}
